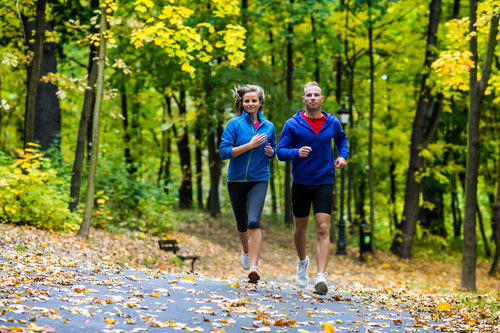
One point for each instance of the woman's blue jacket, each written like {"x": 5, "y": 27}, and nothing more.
{"x": 252, "y": 165}
{"x": 319, "y": 167}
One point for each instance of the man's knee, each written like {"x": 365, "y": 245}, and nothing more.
{"x": 322, "y": 229}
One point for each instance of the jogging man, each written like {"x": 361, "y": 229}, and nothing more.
{"x": 306, "y": 140}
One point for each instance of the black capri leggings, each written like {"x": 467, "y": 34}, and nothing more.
{"x": 247, "y": 200}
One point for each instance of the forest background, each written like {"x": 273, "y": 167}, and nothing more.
{"x": 148, "y": 86}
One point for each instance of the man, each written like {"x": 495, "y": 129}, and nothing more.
{"x": 306, "y": 140}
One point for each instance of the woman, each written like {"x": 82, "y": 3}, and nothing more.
{"x": 249, "y": 142}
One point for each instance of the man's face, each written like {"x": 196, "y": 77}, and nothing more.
{"x": 312, "y": 98}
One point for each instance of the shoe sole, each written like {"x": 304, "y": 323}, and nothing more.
{"x": 302, "y": 285}
{"x": 321, "y": 288}
{"x": 253, "y": 277}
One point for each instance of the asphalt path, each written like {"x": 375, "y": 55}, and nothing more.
{"x": 93, "y": 298}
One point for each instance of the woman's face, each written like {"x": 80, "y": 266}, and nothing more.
{"x": 251, "y": 102}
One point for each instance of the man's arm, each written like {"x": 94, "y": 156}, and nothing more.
{"x": 285, "y": 151}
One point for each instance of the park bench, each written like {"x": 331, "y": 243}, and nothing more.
{"x": 171, "y": 245}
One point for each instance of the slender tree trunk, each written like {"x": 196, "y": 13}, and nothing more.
{"x": 215, "y": 169}
{"x": 198, "y": 161}
{"x": 289, "y": 94}
{"x": 89, "y": 202}
{"x": 477, "y": 89}
{"x": 496, "y": 230}
{"x": 370, "y": 131}
{"x": 316, "y": 51}
{"x": 131, "y": 168}
{"x": 186, "y": 188}
{"x": 403, "y": 240}
{"x": 483, "y": 234}
{"x": 87, "y": 111}
{"x": 167, "y": 133}
{"x": 36, "y": 66}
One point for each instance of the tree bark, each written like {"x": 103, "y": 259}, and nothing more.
{"x": 496, "y": 230}
{"x": 131, "y": 168}
{"x": 47, "y": 127}
{"x": 370, "y": 131}
{"x": 87, "y": 111}
{"x": 199, "y": 166}
{"x": 483, "y": 233}
{"x": 89, "y": 200}
{"x": 36, "y": 66}
{"x": 403, "y": 240}
{"x": 289, "y": 94}
{"x": 186, "y": 188}
{"x": 476, "y": 94}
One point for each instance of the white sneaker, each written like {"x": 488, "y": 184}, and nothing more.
{"x": 321, "y": 286}
{"x": 302, "y": 273}
{"x": 245, "y": 260}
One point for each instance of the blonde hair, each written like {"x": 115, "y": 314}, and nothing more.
{"x": 240, "y": 91}
{"x": 311, "y": 84}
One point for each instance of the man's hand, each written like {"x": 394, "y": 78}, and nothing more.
{"x": 340, "y": 162}
{"x": 269, "y": 150}
{"x": 304, "y": 151}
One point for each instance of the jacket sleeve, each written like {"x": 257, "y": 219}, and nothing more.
{"x": 340, "y": 140}
{"x": 228, "y": 141}
{"x": 272, "y": 141}
{"x": 285, "y": 151}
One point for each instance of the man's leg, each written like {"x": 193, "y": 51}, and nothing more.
{"x": 300, "y": 236}
{"x": 321, "y": 223}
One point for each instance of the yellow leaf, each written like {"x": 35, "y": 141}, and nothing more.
{"x": 328, "y": 327}
{"x": 443, "y": 307}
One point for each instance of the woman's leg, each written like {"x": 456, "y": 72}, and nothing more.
{"x": 238, "y": 193}
{"x": 256, "y": 199}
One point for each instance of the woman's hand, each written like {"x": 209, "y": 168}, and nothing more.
{"x": 258, "y": 140}
{"x": 269, "y": 150}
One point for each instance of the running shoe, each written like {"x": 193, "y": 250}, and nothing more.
{"x": 245, "y": 260}
{"x": 303, "y": 273}
{"x": 253, "y": 275}
{"x": 321, "y": 286}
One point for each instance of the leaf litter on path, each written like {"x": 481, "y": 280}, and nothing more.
{"x": 38, "y": 265}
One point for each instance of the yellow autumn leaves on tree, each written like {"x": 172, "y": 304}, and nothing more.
{"x": 453, "y": 65}
{"x": 170, "y": 31}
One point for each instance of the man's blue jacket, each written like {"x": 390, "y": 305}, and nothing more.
{"x": 319, "y": 167}
{"x": 252, "y": 165}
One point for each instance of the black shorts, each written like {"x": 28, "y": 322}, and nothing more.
{"x": 321, "y": 197}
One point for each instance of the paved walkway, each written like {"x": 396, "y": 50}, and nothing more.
{"x": 92, "y": 298}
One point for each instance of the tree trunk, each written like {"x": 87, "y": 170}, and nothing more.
{"x": 34, "y": 79}
{"x": 403, "y": 239}
{"x": 370, "y": 131}
{"x": 483, "y": 234}
{"x": 131, "y": 168}
{"x": 496, "y": 230}
{"x": 215, "y": 164}
{"x": 289, "y": 94}
{"x": 433, "y": 219}
{"x": 47, "y": 127}
{"x": 477, "y": 89}
{"x": 87, "y": 111}
{"x": 199, "y": 166}
{"x": 186, "y": 188}
{"x": 316, "y": 51}
{"x": 164, "y": 173}
{"x": 89, "y": 202}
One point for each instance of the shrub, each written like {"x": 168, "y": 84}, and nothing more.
{"x": 32, "y": 194}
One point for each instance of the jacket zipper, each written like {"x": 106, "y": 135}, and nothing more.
{"x": 251, "y": 151}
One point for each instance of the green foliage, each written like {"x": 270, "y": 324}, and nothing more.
{"x": 32, "y": 193}
{"x": 122, "y": 201}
